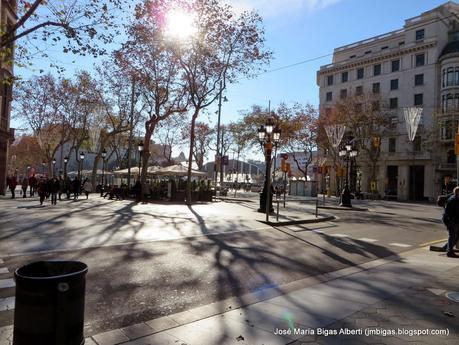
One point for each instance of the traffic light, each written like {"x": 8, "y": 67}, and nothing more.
{"x": 456, "y": 144}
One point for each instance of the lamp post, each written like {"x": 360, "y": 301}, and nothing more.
{"x": 103, "y": 154}
{"x": 219, "y": 149}
{"x": 140, "y": 149}
{"x": 66, "y": 160}
{"x": 54, "y": 165}
{"x": 43, "y": 168}
{"x": 80, "y": 165}
{"x": 267, "y": 136}
{"x": 347, "y": 154}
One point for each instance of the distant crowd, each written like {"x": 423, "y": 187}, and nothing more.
{"x": 50, "y": 188}
{"x": 56, "y": 188}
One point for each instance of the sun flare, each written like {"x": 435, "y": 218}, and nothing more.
{"x": 180, "y": 24}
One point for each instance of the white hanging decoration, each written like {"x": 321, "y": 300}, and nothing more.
{"x": 335, "y": 134}
{"x": 412, "y": 119}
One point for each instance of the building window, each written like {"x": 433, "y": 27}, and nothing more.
{"x": 376, "y": 87}
{"x": 450, "y": 76}
{"x": 392, "y": 144}
{"x": 368, "y": 52}
{"x": 360, "y": 73}
{"x": 401, "y": 43}
{"x": 329, "y": 96}
{"x": 447, "y": 130}
{"x": 384, "y": 48}
{"x": 395, "y": 65}
{"x": 344, "y": 77}
{"x": 377, "y": 69}
{"x": 329, "y": 80}
{"x": 394, "y": 84}
{"x": 417, "y": 143}
{"x": 359, "y": 90}
{"x": 420, "y": 34}
{"x": 343, "y": 94}
{"x": 418, "y": 79}
{"x": 418, "y": 99}
{"x": 420, "y": 60}
{"x": 393, "y": 103}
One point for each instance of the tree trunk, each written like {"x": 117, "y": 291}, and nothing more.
{"x": 190, "y": 157}
{"x": 94, "y": 171}
{"x": 145, "y": 156}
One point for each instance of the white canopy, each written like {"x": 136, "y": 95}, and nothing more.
{"x": 178, "y": 170}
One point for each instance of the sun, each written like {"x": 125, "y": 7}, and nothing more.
{"x": 180, "y": 24}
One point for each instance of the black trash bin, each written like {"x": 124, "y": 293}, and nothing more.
{"x": 49, "y": 306}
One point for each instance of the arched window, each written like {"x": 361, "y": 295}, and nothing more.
{"x": 450, "y": 76}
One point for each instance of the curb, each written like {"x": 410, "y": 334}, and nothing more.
{"x": 301, "y": 221}
{"x": 343, "y": 208}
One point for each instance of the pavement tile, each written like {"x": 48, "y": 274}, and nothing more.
{"x": 3, "y": 270}
{"x": 162, "y": 323}
{"x": 7, "y": 283}
{"x": 89, "y": 341}
{"x": 157, "y": 339}
{"x": 7, "y": 303}
{"x": 6, "y": 335}
{"x": 225, "y": 331}
{"x": 320, "y": 306}
{"x": 264, "y": 321}
{"x": 137, "y": 330}
{"x": 110, "y": 338}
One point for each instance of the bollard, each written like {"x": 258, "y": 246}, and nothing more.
{"x": 49, "y": 306}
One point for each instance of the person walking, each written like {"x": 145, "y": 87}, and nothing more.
{"x": 53, "y": 190}
{"x": 76, "y": 185}
{"x": 32, "y": 184}
{"x": 41, "y": 190}
{"x": 61, "y": 187}
{"x": 12, "y": 183}
{"x": 451, "y": 220}
{"x": 24, "y": 185}
{"x": 87, "y": 187}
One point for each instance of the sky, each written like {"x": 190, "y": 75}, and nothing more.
{"x": 297, "y": 31}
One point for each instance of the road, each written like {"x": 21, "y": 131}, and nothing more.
{"x": 146, "y": 261}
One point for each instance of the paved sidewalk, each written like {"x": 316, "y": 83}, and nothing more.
{"x": 396, "y": 300}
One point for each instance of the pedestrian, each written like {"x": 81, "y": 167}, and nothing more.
{"x": 24, "y": 185}
{"x": 41, "y": 190}
{"x": 32, "y": 184}
{"x": 61, "y": 187}
{"x": 53, "y": 190}
{"x": 138, "y": 191}
{"x": 87, "y": 187}
{"x": 68, "y": 187}
{"x": 451, "y": 220}
{"x": 76, "y": 188}
{"x": 12, "y": 183}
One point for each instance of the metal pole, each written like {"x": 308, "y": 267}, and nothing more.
{"x": 131, "y": 125}
{"x": 277, "y": 215}
{"x": 268, "y": 181}
{"x": 103, "y": 178}
{"x": 317, "y": 206}
{"x": 285, "y": 186}
{"x": 218, "y": 137}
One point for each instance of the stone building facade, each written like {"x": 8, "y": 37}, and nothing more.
{"x": 7, "y": 19}
{"x": 417, "y": 65}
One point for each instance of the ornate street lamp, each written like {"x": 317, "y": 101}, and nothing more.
{"x": 103, "y": 154}
{"x": 80, "y": 165}
{"x": 347, "y": 154}
{"x": 268, "y": 135}
{"x": 66, "y": 160}
{"x": 54, "y": 165}
{"x": 140, "y": 149}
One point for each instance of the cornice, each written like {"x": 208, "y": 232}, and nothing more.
{"x": 379, "y": 58}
